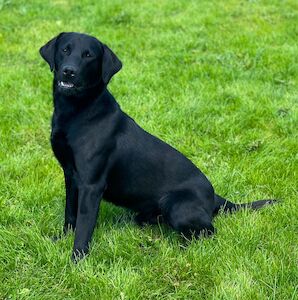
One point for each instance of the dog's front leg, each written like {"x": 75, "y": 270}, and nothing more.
{"x": 88, "y": 207}
{"x": 71, "y": 205}
{"x": 64, "y": 155}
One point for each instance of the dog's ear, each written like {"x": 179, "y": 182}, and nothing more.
{"x": 110, "y": 64}
{"x": 47, "y": 51}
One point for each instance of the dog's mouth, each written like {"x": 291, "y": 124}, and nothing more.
{"x": 65, "y": 84}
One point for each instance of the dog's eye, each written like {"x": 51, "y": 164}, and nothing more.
{"x": 87, "y": 54}
{"x": 66, "y": 49}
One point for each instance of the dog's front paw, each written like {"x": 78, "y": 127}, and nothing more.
{"x": 68, "y": 227}
{"x": 78, "y": 254}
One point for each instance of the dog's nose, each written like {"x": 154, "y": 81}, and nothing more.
{"x": 69, "y": 71}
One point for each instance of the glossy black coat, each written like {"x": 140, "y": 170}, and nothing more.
{"x": 105, "y": 154}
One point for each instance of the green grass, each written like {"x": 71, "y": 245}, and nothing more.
{"x": 215, "y": 79}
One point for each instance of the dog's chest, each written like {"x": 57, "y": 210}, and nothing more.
{"x": 61, "y": 147}
{"x": 61, "y": 143}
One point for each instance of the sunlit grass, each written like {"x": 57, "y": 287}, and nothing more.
{"x": 215, "y": 79}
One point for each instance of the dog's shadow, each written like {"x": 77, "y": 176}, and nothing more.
{"x": 118, "y": 218}
{"x": 115, "y": 218}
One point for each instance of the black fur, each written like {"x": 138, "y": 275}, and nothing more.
{"x": 105, "y": 154}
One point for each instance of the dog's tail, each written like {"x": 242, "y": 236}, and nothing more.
{"x": 227, "y": 206}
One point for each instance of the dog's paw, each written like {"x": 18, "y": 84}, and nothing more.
{"x": 78, "y": 254}
{"x": 68, "y": 227}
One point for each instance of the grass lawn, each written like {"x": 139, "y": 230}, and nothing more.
{"x": 215, "y": 79}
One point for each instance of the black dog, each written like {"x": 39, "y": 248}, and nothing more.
{"x": 105, "y": 154}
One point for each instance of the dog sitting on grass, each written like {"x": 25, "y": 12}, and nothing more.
{"x": 105, "y": 154}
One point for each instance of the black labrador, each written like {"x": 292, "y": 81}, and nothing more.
{"x": 105, "y": 154}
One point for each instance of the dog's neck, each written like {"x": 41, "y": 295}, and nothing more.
{"x": 95, "y": 100}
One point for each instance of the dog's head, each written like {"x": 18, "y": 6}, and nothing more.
{"x": 79, "y": 62}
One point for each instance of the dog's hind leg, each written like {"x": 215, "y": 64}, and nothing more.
{"x": 183, "y": 211}
{"x": 147, "y": 218}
